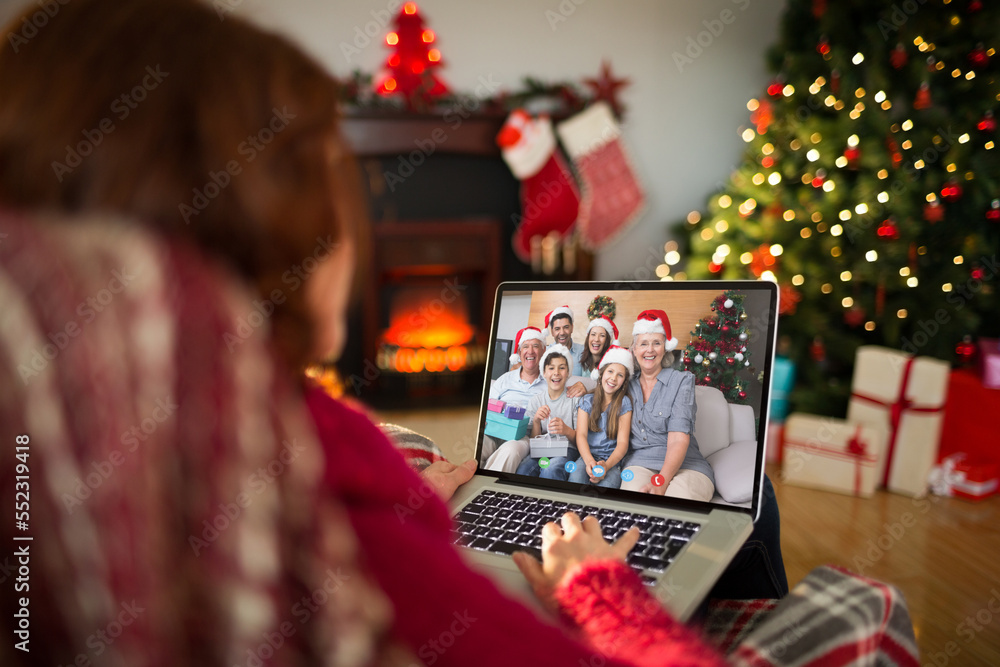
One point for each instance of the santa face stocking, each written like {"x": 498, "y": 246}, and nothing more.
{"x": 612, "y": 196}
{"x": 549, "y": 198}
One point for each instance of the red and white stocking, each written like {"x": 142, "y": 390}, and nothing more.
{"x": 612, "y": 196}
{"x": 549, "y": 197}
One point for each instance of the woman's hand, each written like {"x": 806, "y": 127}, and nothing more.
{"x": 445, "y": 477}
{"x": 564, "y": 550}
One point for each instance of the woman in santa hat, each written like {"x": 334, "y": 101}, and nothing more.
{"x": 664, "y": 458}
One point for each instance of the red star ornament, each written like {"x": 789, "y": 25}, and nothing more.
{"x": 606, "y": 88}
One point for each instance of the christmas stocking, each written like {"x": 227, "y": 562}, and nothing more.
{"x": 612, "y": 197}
{"x": 549, "y": 198}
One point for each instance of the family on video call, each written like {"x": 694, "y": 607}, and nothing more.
{"x": 601, "y": 412}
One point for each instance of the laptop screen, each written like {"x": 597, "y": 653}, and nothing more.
{"x": 655, "y": 392}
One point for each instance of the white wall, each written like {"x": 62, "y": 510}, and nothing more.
{"x": 682, "y": 122}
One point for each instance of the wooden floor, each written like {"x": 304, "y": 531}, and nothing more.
{"x": 943, "y": 553}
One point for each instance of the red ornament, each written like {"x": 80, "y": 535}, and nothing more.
{"x": 893, "y": 147}
{"x": 725, "y": 327}
{"x": 853, "y": 154}
{"x": 714, "y": 268}
{"x": 977, "y": 273}
{"x": 988, "y": 123}
{"x": 742, "y": 394}
{"x": 923, "y": 98}
{"x": 823, "y": 47}
{"x": 952, "y": 191}
{"x": 762, "y": 259}
{"x": 767, "y": 162}
{"x": 965, "y": 351}
{"x": 975, "y": 6}
{"x": 774, "y": 90}
{"x": 993, "y": 215}
{"x": 817, "y": 350}
{"x": 606, "y": 86}
{"x": 730, "y": 361}
{"x": 979, "y": 57}
{"x": 817, "y": 181}
{"x": 789, "y": 300}
{"x": 888, "y": 230}
{"x": 898, "y": 57}
{"x": 411, "y": 67}
{"x": 854, "y": 317}
{"x": 762, "y": 116}
{"x": 933, "y": 212}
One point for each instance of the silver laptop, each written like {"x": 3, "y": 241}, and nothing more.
{"x": 685, "y": 545}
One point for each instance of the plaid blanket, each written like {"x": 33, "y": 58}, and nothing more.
{"x": 833, "y": 617}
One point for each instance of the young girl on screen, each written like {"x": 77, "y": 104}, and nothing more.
{"x": 604, "y": 422}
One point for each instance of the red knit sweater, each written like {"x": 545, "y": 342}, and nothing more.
{"x": 450, "y": 615}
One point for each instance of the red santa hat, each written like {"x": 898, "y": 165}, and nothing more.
{"x": 605, "y": 324}
{"x": 555, "y": 312}
{"x": 615, "y": 355}
{"x": 523, "y": 336}
{"x": 654, "y": 321}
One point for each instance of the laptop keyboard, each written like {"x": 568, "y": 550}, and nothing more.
{"x": 503, "y": 523}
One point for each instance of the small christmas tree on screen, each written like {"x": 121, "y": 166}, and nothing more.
{"x": 717, "y": 355}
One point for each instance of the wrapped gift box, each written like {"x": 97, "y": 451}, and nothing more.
{"x": 989, "y": 362}
{"x": 513, "y": 412}
{"x": 832, "y": 454}
{"x": 505, "y": 428}
{"x": 963, "y": 477}
{"x": 549, "y": 445}
{"x": 905, "y": 395}
{"x": 970, "y": 418}
{"x": 495, "y": 405}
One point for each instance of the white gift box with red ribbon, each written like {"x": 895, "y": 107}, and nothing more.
{"x": 958, "y": 476}
{"x": 905, "y": 395}
{"x": 832, "y": 454}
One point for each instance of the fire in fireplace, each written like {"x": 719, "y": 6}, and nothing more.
{"x": 429, "y": 332}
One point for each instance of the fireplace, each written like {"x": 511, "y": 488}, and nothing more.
{"x": 430, "y": 306}
{"x": 443, "y": 205}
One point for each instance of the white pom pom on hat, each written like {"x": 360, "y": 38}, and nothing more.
{"x": 654, "y": 321}
{"x": 615, "y": 355}
{"x": 523, "y": 336}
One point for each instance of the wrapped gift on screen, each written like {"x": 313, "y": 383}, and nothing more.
{"x": 905, "y": 395}
{"x": 832, "y": 454}
{"x": 549, "y": 445}
{"x": 495, "y": 405}
{"x": 513, "y": 411}
{"x": 989, "y": 362}
{"x": 964, "y": 477}
{"x": 505, "y": 428}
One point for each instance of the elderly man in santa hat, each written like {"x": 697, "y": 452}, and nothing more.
{"x": 517, "y": 386}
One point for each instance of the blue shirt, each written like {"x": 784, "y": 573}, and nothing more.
{"x": 601, "y": 446}
{"x": 576, "y": 351}
{"x": 510, "y": 388}
{"x": 671, "y": 407}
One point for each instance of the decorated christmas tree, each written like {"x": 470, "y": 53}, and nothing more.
{"x": 870, "y": 190}
{"x": 717, "y": 355}
{"x": 410, "y": 68}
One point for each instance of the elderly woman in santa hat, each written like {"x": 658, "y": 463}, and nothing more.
{"x": 664, "y": 458}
